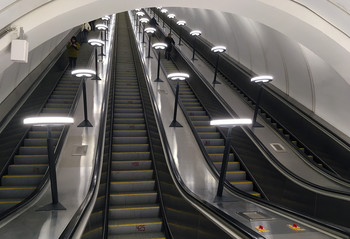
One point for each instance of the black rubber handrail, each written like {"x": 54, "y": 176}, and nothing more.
{"x": 79, "y": 214}
{"x": 109, "y": 157}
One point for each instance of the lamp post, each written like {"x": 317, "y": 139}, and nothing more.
{"x": 180, "y": 23}
{"x": 159, "y": 8}
{"x": 135, "y": 12}
{"x": 139, "y": 14}
{"x": 49, "y": 122}
{"x": 143, "y": 21}
{"x": 150, "y": 31}
{"x": 177, "y": 76}
{"x": 171, "y": 16}
{"x": 159, "y": 46}
{"x": 95, "y": 43}
{"x": 195, "y": 34}
{"x": 84, "y": 73}
{"x": 229, "y": 123}
{"x": 259, "y": 80}
{"x": 106, "y": 19}
{"x": 102, "y": 28}
{"x": 163, "y": 11}
{"x": 218, "y": 50}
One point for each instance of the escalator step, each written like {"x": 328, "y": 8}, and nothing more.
{"x": 131, "y": 175}
{"x": 132, "y": 186}
{"x": 136, "y": 211}
{"x": 135, "y": 225}
{"x": 133, "y": 198}
{"x": 131, "y": 165}
{"x": 27, "y": 169}
{"x": 22, "y": 180}
{"x": 15, "y": 192}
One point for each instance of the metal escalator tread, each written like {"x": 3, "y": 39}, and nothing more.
{"x": 133, "y": 205}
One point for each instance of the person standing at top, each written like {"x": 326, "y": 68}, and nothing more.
{"x": 85, "y": 28}
{"x": 73, "y": 48}
{"x": 153, "y": 23}
{"x": 170, "y": 42}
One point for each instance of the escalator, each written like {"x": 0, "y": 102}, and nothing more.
{"x": 133, "y": 198}
{"x": 136, "y": 196}
{"x": 28, "y": 163}
{"x": 327, "y": 150}
{"x": 280, "y": 190}
{"x": 211, "y": 137}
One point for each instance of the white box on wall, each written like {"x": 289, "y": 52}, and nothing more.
{"x": 19, "y": 50}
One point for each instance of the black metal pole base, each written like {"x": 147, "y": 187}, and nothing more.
{"x": 216, "y": 82}
{"x": 52, "y": 207}
{"x": 102, "y": 54}
{"x": 158, "y": 80}
{"x": 257, "y": 125}
{"x": 175, "y": 124}
{"x": 85, "y": 123}
{"x": 96, "y": 78}
{"x": 194, "y": 59}
{"x": 150, "y": 57}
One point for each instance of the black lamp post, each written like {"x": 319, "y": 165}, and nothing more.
{"x": 143, "y": 22}
{"x": 49, "y": 122}
{"x": 150, "y": 31}
{"x": 84, "y": 73}
{"x": 163, "y": 11}
{"x": 159, "y": 8}
{"x": 171, "y": 16}
{"x": 106, "y": 19}
{"x": 102, "y": 28}
{"x": 218, "y": 50}
{"x": 159, "y": 46}
{"x": 135, "y": 17}
{"x": 180, "y": 23}
{"x": 229, "y": 123}
{"x": 177, "y": 76}
{"x": 95, "y": 43}
{"x": 195, "y": 34}
{"x": 139, "y": 14}
{"x": 260, "y": 80}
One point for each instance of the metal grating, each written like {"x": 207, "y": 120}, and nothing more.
{"x": 79, "y": 150}
{"x": 278, "y": 147}
{"x": 255, "y": 216}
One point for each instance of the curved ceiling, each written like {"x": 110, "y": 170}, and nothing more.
{"x": 320, "y": 27}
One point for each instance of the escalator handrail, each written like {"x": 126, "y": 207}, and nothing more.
{"x": 73, "y": 224}
{"x": 109, "y": 157}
